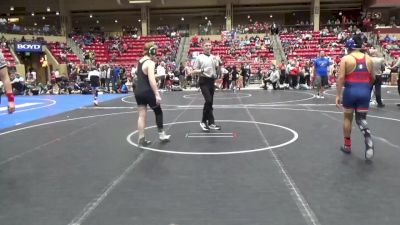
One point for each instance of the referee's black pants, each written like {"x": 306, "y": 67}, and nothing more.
{"x": 398, "y": 83}
{"x": 207, "y": 89}
{"x": 378, "y": 92}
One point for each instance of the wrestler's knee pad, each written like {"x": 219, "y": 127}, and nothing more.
{"x": 361, "y": 120}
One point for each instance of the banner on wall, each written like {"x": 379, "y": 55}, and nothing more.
{"x": 28, "y": 47}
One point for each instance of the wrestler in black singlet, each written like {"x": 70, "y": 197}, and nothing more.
{"x": 143, "y": 92}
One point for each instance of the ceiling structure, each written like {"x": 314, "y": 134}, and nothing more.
{"x": 173, "y": 6}
{"x": 110, "y": 10}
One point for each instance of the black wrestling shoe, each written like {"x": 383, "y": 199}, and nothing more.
{"x": 143, "y": 142}
{"x": 380, "y": 105}
{"x": 345, "y": 149}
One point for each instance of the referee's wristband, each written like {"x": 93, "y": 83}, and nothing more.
{"x": 10, "y": 97}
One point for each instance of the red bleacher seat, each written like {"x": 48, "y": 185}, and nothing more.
{"x": 8, "y": 56}
{"x": 56, "y": 50}
{"x": 133, "y": 53}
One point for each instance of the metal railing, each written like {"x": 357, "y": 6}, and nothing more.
{"x": 12, "y": 50}
{"x": 75, "y": 49}
{"x": 278, "y": 49}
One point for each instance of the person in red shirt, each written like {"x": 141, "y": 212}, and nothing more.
{"x": 293, "y": 72}
{"x": 195, "y": 41}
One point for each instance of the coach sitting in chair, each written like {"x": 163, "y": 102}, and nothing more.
{"x": 17, "y": 83}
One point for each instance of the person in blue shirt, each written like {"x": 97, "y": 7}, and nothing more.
{"x": 114, "y": 78}
{"x": 124, "y": 89}
{"x": 321, "y": 67}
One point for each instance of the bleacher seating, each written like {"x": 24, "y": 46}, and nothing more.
{"x": 218, "y": 48}
{"x": 56, "y": 50}
{"x": 132, "y": 55}
{"x": 8, "y": 56}
{"x": 310, "y": 48}
{"x": 392, "y": 48}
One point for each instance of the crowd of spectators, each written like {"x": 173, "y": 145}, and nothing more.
{"x": 14, "y": 28}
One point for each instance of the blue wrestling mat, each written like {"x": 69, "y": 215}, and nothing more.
{"x": 30, "y": 108}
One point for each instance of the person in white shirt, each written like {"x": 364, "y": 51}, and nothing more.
{"x": 206, "y": 65}
{"x": 94, "y": 77}
{"x": 103, "y": 75}
{"x": 18, "y": 83}
{"x": 133, "y": 71}
{"x": 33, "y": 73}
{"x": 224, "y": 77}
{"x": 378, "y": 68}
{"x": 161, "y": 72}
{"x": 188, "y": 74}
{"x": 272, "y": 78}
{"x": 57, "y": 75}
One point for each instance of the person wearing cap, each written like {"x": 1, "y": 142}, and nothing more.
{"x": 356, "y": 76}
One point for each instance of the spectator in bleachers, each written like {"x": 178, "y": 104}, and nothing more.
{"x": 63, "y": 56}
{"x": 274, "y": 29}
{"x": 324, "y": 32}
{"x": 86, "y": 56}
{"x": 386, "y": 38}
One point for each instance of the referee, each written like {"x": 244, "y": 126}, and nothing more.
{"x": 206, "y": 66}
{"x": 379, "y": 65}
